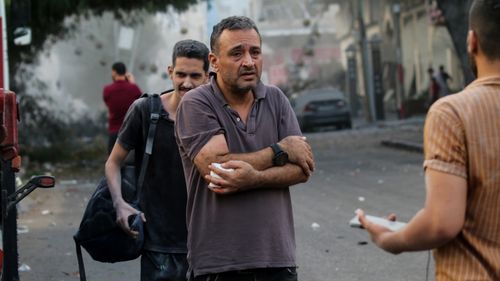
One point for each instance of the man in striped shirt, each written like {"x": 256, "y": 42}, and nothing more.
{"x": 460, "y": 219}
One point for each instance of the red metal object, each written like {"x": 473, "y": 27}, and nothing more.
{"x": 2, "y": 82}
{"x": 9, "y": 148}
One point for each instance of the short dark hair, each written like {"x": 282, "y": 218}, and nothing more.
{"x": 484, "y": 19}
{"x": 230, "y": 23}
{"x": 119, "y": 68}
{"x": 191, "y": 49}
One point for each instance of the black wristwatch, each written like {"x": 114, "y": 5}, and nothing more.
{"x": 280, "y": 157}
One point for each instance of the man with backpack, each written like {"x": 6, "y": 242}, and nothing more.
{"x": 163, "y": 194}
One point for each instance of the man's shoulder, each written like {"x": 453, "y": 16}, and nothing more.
{"x": 274, "y": 93}
{"x": 462, "y": 105}
{"x": 107, "y": 87}
{"x": 141, "y": 104}
{"x": 199, "y": 93}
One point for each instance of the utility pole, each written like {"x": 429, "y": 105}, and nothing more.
{"x": 369, "y": 100}
{"x": 396, "y": 9}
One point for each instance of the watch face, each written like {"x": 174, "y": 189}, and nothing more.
{"x": 281, "y": 159}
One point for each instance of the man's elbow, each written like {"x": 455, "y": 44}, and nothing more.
{"x": 304, "y": 177}
{"x": 446, "y": 232}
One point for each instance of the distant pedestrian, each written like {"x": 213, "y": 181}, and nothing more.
{"x": 118, "y": 97}
{"x": 442, "y": 78}
{"x": 460, "y": 218}
{"x": 434, "y": 87}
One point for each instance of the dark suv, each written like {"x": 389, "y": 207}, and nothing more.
{"x": 321, "y": 107}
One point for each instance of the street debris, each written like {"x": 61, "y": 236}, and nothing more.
{"x": 361, "y": 243}
{"x": 315, "y": 226}
{"x": 361, "y": 199}
{"x": 46, "y": 212}
{"x": 380, "y": 181}
{"x": 22, "y": 229}
{"x": 24, "y": 268}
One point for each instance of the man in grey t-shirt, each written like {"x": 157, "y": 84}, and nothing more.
{"x": 241, "y": 225}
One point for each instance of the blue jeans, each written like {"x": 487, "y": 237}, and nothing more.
{"x": 258, "y": 274}
{"x": 157, "y": 266}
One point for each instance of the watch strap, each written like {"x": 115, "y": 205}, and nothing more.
{"x": 276, "y": 148}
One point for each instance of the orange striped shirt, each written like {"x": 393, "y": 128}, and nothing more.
{"x": 462, "y": 137}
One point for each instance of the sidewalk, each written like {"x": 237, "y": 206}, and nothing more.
{"x": 391, "y": 121}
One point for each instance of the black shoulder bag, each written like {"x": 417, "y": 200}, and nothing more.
{"x": 99, "y": 233}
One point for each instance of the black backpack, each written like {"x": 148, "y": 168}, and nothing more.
{"x": 99, "y": 233}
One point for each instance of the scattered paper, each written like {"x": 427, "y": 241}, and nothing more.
{"x": 24, "y": 267}
{"x": 315, "y": 226}
{"x": 22, "y": 229}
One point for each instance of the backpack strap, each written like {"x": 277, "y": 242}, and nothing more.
{"x": 81, "y": 266}
{"x": 154, "y": 116}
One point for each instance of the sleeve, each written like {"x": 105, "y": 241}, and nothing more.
{"x": 444, "y": 141}
{"x": 130, "y": 135}
{"x": 105, "y": 95}
{"x": 196, "y": 124}
{"x": 138, "y": 91}
{"x": 288, "y": 124}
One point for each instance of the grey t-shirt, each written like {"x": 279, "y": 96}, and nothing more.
{"x": 251, "y": 229}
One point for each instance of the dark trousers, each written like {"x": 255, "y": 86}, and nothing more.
{"x": 264, "y": 274}
{"x": 157, "y": 266}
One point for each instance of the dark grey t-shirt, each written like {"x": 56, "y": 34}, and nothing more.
{"x": 251, "y": 229}
{"x": 163, "y": 198}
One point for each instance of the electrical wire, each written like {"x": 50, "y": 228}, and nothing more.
{"x": 428, "y": 265}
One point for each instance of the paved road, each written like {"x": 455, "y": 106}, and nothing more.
{"x": 353, "y": 170}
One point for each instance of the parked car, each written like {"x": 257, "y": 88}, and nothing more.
{"x": 321, "y": 107}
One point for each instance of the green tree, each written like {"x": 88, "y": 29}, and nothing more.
{"x": 47, "y": 21}
{"x": 46, "y": 135}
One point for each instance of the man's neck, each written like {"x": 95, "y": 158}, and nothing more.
{"x": 487, "y": 68}
{"x": 236, "y": 100}
{"x": 120, "y": 78}
{"x": 170, "y": 103}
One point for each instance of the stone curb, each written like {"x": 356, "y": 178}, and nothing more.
{"x": 404, "y": 145}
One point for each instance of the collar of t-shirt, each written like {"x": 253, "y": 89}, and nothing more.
{"x": 259, "y": 91}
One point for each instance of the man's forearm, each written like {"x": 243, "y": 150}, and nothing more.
{"x": 421, "y": 233}
{"x": 113, "y": 177}
{"x": 277, "y": 177}
{"x": 260, "y": 160}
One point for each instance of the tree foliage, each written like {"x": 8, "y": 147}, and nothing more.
{"x": 46, "y": 135}
{"x": 47, "y": 20}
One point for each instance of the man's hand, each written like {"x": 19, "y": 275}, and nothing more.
{"x": 241, "y": 178}
{"x": 299, "y": 152}
{"x": 130, "y": 77}
{"x": 123, "y": 211}
{"x": 380, "y": 235}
